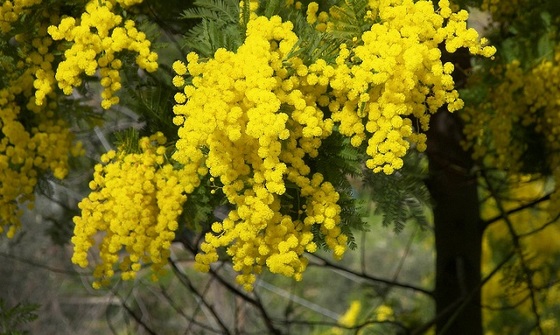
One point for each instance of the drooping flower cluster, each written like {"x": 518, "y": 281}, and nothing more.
{"x": 252, "y": 119}
{"x": 10, "y": 12}
{"x": 97, "y": 38}
{"x": 34, "y": 139}
{"x": 26, "y": 152}
{"x": 258, "y": 123}
{"x": 519, "y": 128}
{"x": 393, "y": 73}
{"x": 399, "y": 73}
{"x": 136, "y": 200}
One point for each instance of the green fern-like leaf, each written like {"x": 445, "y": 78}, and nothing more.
{"x": 338, "y": 161}
{"x": 312, "y": 44}
{"x": 127, "y": 140}
{"x": 270, "y": 7}
{"x": 348, "y": 19}
{"x": 402, "y": 196}
{"x": 219, "y": 27}
{"x": 13, "y": 318}
{"x": 203, "y": 13}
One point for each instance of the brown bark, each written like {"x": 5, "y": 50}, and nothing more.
{"x": 457, "y": 231}
{"x": 456, "y": 220}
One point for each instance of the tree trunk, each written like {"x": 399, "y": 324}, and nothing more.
{"x": 457, "y": 232}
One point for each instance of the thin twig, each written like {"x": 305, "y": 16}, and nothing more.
{"x": 136, "y": 318}
{"x": 260, "y": 308}
{"x": 327, "y": 263}
{"x": 186, "y": 281}
{"x": 485, "y": 223}
{"x": 519, "y": 250}
{"x": 42, "y": 266}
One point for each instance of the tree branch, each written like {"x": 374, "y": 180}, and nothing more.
{"x": 136, "y": 318}
{"x": 260, "y": 308}
{"x": 485, "y": 223}
{"x": 519, "y": 250}
{"x": 363, "y": 275}
{"x": 186, "y": 281}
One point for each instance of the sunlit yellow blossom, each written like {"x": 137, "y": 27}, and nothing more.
{"x": 350, "y": 317}
{"x": 96, "y": 38}
{"x": 254, "y": 147}
{"x": 400, "y": 74}
{"x": 136, "y": 199}
{"x": 34, "y": 140}
{"x": 254, "y": 117}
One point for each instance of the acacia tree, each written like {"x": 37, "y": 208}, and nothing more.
{"x": 258, "y": 119}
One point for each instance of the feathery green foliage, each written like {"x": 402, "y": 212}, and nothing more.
{"x": 339, "y": 162}
{"x": 349, "y": 20}
{"x": 219, "y": 27}
{"x": 13, "y": 318}
{"x": 402, "y": 196}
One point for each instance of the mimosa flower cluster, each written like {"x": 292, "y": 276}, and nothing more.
{"x": 97, "y": 38}
{"x": 258, "y": 122}
{"x": 254, "y": 117}
{"x": 522, "y": 108}
{"x": 35, "y": 139}
{"x": 135, "y": 201}
{"x": 11, "y": 10}
{"x": 400, "y": 74}
{"x": 540, "y": 246}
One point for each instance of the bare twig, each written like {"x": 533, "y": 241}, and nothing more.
{"x": 519, "y": 250}
{"x": 233, "y": 289}
{"x": 485, "y": 223}
{"x": 186, "y": 281}
{"x": 325, "y": 262}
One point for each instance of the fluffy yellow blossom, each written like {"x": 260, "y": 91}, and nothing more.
{"x": 96, "y": 39}
{"x": 135, "y": 199}
{"x": 312, "y": 10}
{"x": 518, "y": 120}
{"x": 254, "y": 117}
{"x": 350, "y": 317}
{"x": 319, "y": 20}
{"x": 34, "y": 139}
{"x": 400, "y": 74}
{"x": 10, "y": 12}
{"x": 250, "y": 125}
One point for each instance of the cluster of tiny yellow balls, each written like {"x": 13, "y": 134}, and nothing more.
{"x": 135, "y": 199}
{"x": 10, "y": 12}
{"x": 34, "y": 139}
{"x": 98, "y": 37}
{"x": 251, "y": 117}
{"x": 524, "y": 98}
{"x": 394, "y": 73}
{"x": 258, "y": 122}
